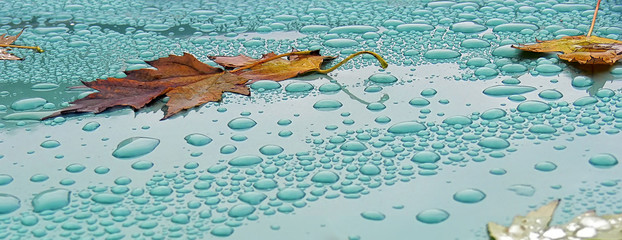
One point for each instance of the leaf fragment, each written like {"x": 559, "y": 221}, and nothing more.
{"x": 535, "y": 225}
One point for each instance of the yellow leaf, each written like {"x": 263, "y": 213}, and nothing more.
{"x": 581, "y": 49}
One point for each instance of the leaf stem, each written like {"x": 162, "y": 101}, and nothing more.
{"x": 36, "y": 48}
{"x": 589, "y": 33}
{"x": 270, "y": 59}
{"x": 383, "y": 63}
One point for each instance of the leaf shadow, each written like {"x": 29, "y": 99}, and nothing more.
{"x": 599, "y": 73}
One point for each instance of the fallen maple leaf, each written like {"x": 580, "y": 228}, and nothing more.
{"x": 189, "y": 83}
{"x": 6, "y": 43}
{"x": 585, "y": 49}
{"x": 581, "y": 49}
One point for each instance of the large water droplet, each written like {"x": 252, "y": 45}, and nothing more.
{"x": 8, "y": 203}
{"x": 252, "y": 198}
{"x": 135, "y": 147}
{"x": 603, "y": 160}
{"x": 432, "y": 216}
{"x": 545, "y": 166}
{"x": 270, "y": 150}
{"x": 245, "y": 161}
{"x": 373, "y": 215}
{"x": 425, "y": 157}
{"x": 406, "y": 127}
{"x": 470, "y": 195}
{"x": 382, "y": 78}
{"x": 441, "y": 54}
{"x": 241, "y": 123}
{"x": 327, "y": 105}
{"x": 290, "y": 194}
{"x": 531, "y": 106}
{"x": 5, "y": 179}
{"x": 523, "y": 190}
{"x": 505, "y": 90}
{"x": 28, "y": 104}
{"x": 325, "y": 177}
{"x": 494, "y": 143}
{"x": 241, "y": 210}
{"x": 197, "y": 139}
{"x": 51, "y": 199}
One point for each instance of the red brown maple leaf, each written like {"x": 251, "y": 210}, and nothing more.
{"x": 189, "y": 83}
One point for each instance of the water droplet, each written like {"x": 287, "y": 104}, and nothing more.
{"x": 341, "y": 43}
{"x": 39, "y": 178}
{"x": 550, "y": 94}
{"x": 327, "y": 105}
{"x": 441, "y": 54}
{"x": 417, "y": 27}
{"x": 369, "y": 170}
{"x": 270, "y": 150}
{"x": 462, "y": 120}
{"x": 298, "y": 87}
{"x": 222, "y": 231}
{"x": 75, "y": 168}
{"x": 603, "y": 160}
{"x": 582, "y": 82}
{"x": 425, "y": 157}
{"x": 514, "y": 27}
{"x": 135, "y": 147}
{"x": 542, "y": 129}
{"x": 252, "y": 198}
{"x": 241, "y": 123}
{"x": 180, "y": 219}
{"x": 101, "y": 170}
{"x": 265, "y": 184}
{"x": 406, "y": 127}
{"x": 469, "y": 195}
{"x": 498, "y": 171}
{"x": 50, "y": 144}
{"x": 90, "y": 126}
{"x": 161, "y": 191}
{"x": 507, "y": 90}
{"x": 106, "y": 198}
{"x": 241, "y": 210}
{"x": 325, "y": 177}
{"x": 5, "y": 179}
{"x": 382, "y": 78}
{"x": 40, "y": 87}
{"x": 8, "y": 203}
{"x": 290, "y": 194}
{"x": 531, "y": 106}
{"x": 428, "y": 92}
{"x": 584, "y": 101}
{"x": 245, "y": 161}
{"x": 494, "y": 143}
{"x": 142, "y": 165}
{"x": 51, "y": 199}
{"x": 545, "y": 166}
{"x": 432, "y": 216}
{"x": 329, "y": 88}
{"x": 467, "y": 27}
{"x": 493, "y": 113}
{"x": 355, "y": 146}
{"x": 523, "y": 190}
{"x": 266, "y": 85}
{"x": 197, "y": 139}
{"x": 28, "y": 104}
{"x": 373, "y": 215}
{"x": 228, "y": 149}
